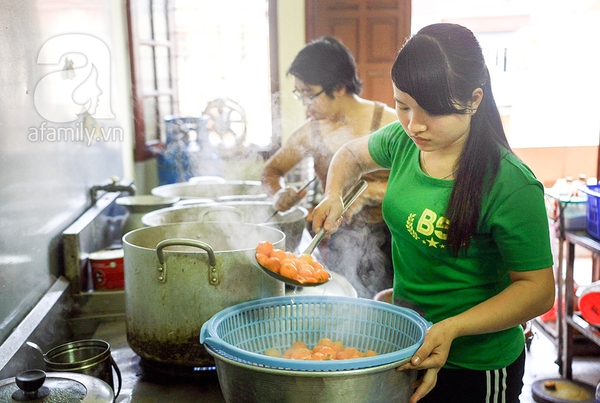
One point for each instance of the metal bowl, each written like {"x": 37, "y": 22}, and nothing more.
{"x": 228, "y": 191}
{"x": 369, "y": 385}
{"x": 237, "y": 338}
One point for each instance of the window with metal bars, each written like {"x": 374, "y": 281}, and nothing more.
{"x": 153, "y": 72}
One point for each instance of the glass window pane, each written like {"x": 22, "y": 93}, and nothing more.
{"x": 143, "y": 20}
{"x": 159, "y": 15}
{"x": 163, "y": 71}
{"x": 147, "y": 68}
{"x": 149, "y": 105}
{"x": 211, "y": 54}
{"x": 165, "y": 107}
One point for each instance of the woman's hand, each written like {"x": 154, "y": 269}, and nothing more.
{"x": 328, "y": 214}
{"x": 431, "y": 356}
{"x": 371, "y": 196}
{"x": 287, "y": 198}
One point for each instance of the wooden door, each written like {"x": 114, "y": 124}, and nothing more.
{"x": 373, "y": 30}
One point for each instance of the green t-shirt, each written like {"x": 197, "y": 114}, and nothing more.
{"x": 513, "y": 235}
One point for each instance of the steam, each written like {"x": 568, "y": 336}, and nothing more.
{"x": 359, "y": 254}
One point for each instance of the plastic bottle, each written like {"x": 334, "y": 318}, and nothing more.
{"x": 577, "y": 184}
{"x": 570, "y": 186}
{"x": 561, "y": 187}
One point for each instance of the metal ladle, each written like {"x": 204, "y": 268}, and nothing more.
{"x": 350, "y": 197}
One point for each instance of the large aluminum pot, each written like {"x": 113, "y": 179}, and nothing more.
{"x": 177, "y": 276}
{"x": 291, "y": 222}
{"x": 228, "y": 191}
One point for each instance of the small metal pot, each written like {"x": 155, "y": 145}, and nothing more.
{"x": 89, "y": 357}
{"x": 177, "y": 276}
{"x": 39, "y": 386}
{"x": 137, "y": 206}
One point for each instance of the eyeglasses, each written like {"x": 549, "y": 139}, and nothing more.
{"x": 308, "y": 98}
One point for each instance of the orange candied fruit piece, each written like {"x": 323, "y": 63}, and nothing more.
{"x": 306, "y": 258}
{"x": 288, "y": 270}
{"x": 328, "y": 351}
{"x": 265, "y": 248}
{"x": 324, "y": 350}
{"x": 306, "y": 270}
{"x": 279, "y": 254}
{"x": 318, "y": 356}
{"x": 301, "y": 354}
{"x": 273, "y": 264}
{"x": 324, "y": 341}
{"x": 262, "y": 258}
{"x": 299, "y": 344}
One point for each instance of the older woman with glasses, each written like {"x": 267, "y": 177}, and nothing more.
{"x": 326, "y": 82}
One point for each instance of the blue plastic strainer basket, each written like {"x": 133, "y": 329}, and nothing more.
{"x": 244, "y": 332}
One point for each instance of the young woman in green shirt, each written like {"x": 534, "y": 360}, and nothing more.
{"x": 470, "y": 237}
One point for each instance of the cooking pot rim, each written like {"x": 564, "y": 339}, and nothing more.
{"x": 190, "y": 190}
{"x": 146, "y": 219}
{"x": 129, "y": 235}
{"x": 227, "y": 184}
{"x": 212, "y": 203}
{"x": 147, "y": 201}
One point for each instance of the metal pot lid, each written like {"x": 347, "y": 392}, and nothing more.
{"x": 65, "y": 387}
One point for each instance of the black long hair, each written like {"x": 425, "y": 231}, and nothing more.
{"x": 440, "y": 67}
{"x": 329, "y": 63}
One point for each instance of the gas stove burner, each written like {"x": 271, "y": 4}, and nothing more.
{"x": 154, "y": 369}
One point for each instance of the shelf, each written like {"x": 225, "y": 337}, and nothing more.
{"x": 590, "y": 332}
{"x": 574, "y": 327}
{"x": 548, "y": 329}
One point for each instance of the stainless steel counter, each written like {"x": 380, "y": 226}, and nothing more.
{"x": 142, "y": 385}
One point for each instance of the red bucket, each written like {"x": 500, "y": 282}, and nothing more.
{"x": 589, "y": 305}
{"x": 107, "y": 269}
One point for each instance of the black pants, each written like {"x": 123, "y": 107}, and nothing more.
{"x": 470, "y": 386}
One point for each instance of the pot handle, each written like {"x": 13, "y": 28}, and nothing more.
{"x": 162, "y": 269}
{"x": 216, "y": 209}
{"x": 118, "y": 371}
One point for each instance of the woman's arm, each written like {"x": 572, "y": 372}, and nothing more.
{"x": 286, "y": 158}
{"x": 530, "y": 294}
{"x": 347, "y": 166}
{"x": 283, "y": 161}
